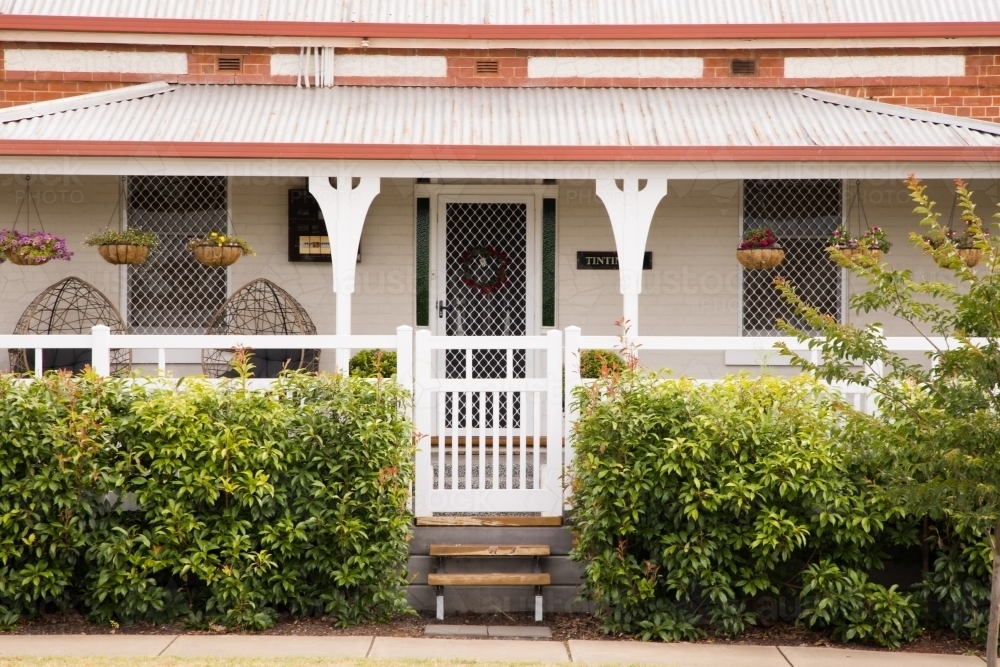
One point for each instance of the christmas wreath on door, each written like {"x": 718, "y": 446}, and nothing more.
{"x": 484, "y": 269}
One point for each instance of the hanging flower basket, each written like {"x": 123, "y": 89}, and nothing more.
{"x": 874, "y": 244}
{"x": 32, "y": 248}
{"x": 219, "y": 250}
{"x": 760, "y": 259}
{"x": 130, "y": 246}
{"x": 971, "y": 256}
{"x": 759, "y": 250}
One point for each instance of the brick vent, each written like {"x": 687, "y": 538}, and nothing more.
{"x": 229, "y": 64}
{"x": 487, "y": 67}
{"x": 742, "y": 67}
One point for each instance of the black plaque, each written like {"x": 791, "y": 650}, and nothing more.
{"x": 607, "y": 260}
{"x": 308, "y": 240}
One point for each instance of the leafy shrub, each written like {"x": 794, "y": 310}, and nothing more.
{"x": 597, "y": 363}
{"x": 855, "y": 608}
{"x": 373, "y": 364}
{"x": 249, "y": 503}
{"x": 692, "y": 502}
{"x": 52, "y": 460}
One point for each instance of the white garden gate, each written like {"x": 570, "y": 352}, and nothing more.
{"x": 488, "y": 444}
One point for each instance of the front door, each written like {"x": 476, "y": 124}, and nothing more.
{"x": 486, "y": 284}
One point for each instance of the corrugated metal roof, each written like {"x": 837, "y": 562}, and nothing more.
{"x": 633, "y": 117}
{"x": 527, "y": 12}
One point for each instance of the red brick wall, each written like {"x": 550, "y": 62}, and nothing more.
{"x": 977, "y": 94}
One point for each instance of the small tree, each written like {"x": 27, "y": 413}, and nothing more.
{"x": 938, "y": 420}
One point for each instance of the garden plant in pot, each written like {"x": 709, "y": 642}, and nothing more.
{"x": 873, "y": 244}
{"x": 969, "y": 243}
{"x": 129, "y": 246}
{"x": 870, "y": 246}
{"x": 759, "y": 250}
{"x": 218, "y": 249}
{"x": 31, "y": 248}
{"x": 122, "y": 246}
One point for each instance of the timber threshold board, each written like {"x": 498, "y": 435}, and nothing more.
{"x": 491, "y": 521}
{"x": 466, "y": 550}
{"x": 498, "y": 579}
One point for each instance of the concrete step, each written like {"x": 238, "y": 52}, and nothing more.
{"x": 489, "y": 550}
{"x": 491, "y": 579}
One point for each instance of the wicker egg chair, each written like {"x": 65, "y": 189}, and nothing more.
{"x": 71, "y": 306}
{"x": 261, "y": 308}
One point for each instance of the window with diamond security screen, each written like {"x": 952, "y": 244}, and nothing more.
{"x": 803, "y": 214}
{"x": 171, "y": 292}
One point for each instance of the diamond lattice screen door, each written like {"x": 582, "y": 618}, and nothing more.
{"x": 487, "y": 284}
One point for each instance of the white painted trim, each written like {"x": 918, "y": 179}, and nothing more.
{"x": 698, "y": 171}
{"x": 375, "y": 65}
{"x": 379, "y": 65}
{"x": 79, "y": 37}
{"x": 819, "y": 67}
{"x": 621, "y": 67}
{"x": 79, "y": 60}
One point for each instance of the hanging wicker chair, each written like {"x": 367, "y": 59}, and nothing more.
{"x": 71, "y": 306}
{"x": 261, "y": 308}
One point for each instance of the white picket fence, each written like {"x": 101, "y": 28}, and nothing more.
{"x": 485, "y": 444}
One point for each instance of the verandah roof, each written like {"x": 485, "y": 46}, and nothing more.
{"x": 638, "y": 124}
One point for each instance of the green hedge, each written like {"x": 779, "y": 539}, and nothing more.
{"x": 704, "y": 506}
{"x": 214, "y": 503}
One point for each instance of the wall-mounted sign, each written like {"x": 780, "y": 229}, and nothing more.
{"x": 607, "y": 261}
{"x": 307, "y": 237}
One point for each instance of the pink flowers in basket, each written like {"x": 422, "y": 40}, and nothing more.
{"x": 32, "y": 248}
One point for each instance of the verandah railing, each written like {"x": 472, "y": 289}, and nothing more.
{"x": 486, "y": 444}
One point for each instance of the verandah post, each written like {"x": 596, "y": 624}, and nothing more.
{"x": 404, "y": 357}
{"x": 571, "y": 355}
{"x": 100, "y": 350}
{"x": 423, "y": 418}
{"x": 344, "y": 209}
{"x": 554, "y": 417}
{"x": 631, "y": 212}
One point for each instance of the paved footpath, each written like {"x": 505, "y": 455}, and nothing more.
{"x": 512, "y": 650}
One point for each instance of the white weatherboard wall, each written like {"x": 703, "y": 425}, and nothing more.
{"x": 868, "y": 66}
{"x": 75, "y": 60}
{"x": 286, "y": 64}
{"x": 71, "y": 207}
{"x": 614, "y": 67}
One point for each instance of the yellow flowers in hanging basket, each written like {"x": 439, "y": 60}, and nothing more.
{"x": 218, "y": 249}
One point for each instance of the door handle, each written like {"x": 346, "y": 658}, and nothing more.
{"x": 441, "y": 308}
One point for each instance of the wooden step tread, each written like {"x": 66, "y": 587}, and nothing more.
{"x": 489, "y": 550}
{"x": 496, "y": 521}
{"x": 499, "y": 579}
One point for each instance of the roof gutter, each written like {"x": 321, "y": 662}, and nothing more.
{"x": 216, "y": 150}
{"x": 500, "y": 32}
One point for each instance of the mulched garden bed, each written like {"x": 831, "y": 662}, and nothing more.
{"x": 563, "y": 626}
